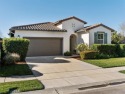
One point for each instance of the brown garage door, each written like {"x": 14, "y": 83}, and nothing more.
{"x": 45, "y": 46}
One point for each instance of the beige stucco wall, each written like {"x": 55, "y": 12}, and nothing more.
{"x": 60, "y": 26}
{"x": 99, "y": 29}
{"x": 65, "y": 35}
{"x": 68, "y": 25}
{"x": 46, "y": 34}
{"x": 71, "y": 30}
{"x": 82, "y": 37}
{"x": 88, "y": 38}
{"x": 85, "y": 37}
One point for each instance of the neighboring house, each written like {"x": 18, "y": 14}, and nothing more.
{"x": 56, "y": 38}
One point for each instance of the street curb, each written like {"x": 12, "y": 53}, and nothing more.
{"x": 76, "y": 88}
{"x": 116, "y": 81}
{"x": 79, "y": 88}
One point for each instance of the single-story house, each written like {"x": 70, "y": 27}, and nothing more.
{"x": 55, "y": 38}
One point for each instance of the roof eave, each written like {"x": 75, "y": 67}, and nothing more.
{"x": 78, "y": 31}
{"x": 89, "y": 28}
{"x": 59, "y": 22}
{"x": 38, "y": 30}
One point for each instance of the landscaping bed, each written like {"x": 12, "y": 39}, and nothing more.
{"x": 17, "y": 69}
{"x": 20, "y": 86}
{"x": 107, "y": 63}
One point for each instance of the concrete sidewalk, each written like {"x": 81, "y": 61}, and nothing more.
{"x": 99, "y": 72}
{"x": 85, "y": 88}
{"x": 95, "y": 74}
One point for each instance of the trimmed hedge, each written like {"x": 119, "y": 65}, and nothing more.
{"x": 93, "y": 55}
{"x": 122, "y": 47}
{"x": 67, "y": 53}
{"x": 16, "y": 45}
{"x": 113, "y": 50}
{"x": 102, "y": 56}
{"x": 89, "y": 54}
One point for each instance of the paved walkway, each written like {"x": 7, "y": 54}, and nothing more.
{"x": 55, "y": 72}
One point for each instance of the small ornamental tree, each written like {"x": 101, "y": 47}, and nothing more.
{"x": 81, "y": 48}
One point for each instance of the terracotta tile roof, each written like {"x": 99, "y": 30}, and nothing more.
{"x": 94, "y": 26}
{"x": 73, "y": 17}
{"x": 47, "y": 26}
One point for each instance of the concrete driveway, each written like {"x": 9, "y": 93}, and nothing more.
{"x": 56, "y": 71}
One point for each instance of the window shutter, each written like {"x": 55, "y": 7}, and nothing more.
{"x": 95, "y": 38}
{"x": 105, "y": 38}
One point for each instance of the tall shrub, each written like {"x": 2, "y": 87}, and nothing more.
{"x": 16, "y": 45}
{"x": 115, "y": 50}
{"x": 89, "y": 54}
{"x": 118, "y": 50}
{"x": 122, "y": 47}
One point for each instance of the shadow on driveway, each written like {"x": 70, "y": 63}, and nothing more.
{"x": 32, "y": 62}
{"x": 36, "y": 73}
{"x": 46, "y": 59}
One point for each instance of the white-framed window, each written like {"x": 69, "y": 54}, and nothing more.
{"x": 100, "y": 38}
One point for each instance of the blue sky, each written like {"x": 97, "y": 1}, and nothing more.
{"x": 19, "y": 12}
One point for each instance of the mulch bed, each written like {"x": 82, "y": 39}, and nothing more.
{"x": 78, "y": 57}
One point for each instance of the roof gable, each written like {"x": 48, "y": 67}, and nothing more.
{"x": 87, "y": 28}
{"x": 97, "y": 25}
{"x": 73, "y": 17}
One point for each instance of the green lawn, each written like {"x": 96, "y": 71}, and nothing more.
{"x": 122, "y": 71}
{"x": 107, "y": 63}
{"x": 21, "y": 86}
{"x": 14, "y": 70}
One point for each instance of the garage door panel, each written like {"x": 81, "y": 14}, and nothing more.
{"x": 45, "y": 46}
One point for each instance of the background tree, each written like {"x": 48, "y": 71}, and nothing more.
{"x": 122, "y": 28}
{"x": 1, "y": 35}
{"x": 117, "y": 38}
{"x": 122, "y": 31}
